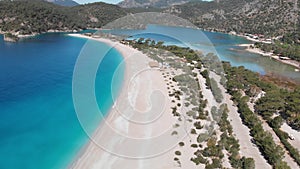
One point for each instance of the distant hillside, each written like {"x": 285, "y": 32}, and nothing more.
{"x": 35, "y": 16}
{"x": 98, "y": 14}
{"x": 270, "y": 17}
{"x": 63, "y": 2}
{"x": 150, "y": 3}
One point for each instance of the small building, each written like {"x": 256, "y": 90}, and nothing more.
{"x": 232, "y": 33}
{"x": 154, "y": 64}
{"x": 88, "y": 34}
{"x": 284, "y": 58}
{"x": 194, "y": 62}
{"x": 96, "y": 36}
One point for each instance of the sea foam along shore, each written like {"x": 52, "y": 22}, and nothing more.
{"x": 270, "y": 54}
{"x": 134, "y": 128}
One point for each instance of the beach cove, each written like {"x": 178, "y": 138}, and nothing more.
{"x": 39, "y": 126}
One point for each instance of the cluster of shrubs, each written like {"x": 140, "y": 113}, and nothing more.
{"x": 272, "y": 153}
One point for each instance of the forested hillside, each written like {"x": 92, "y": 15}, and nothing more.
{"x": 34, "y": 16}
{"x": 269, "y": 17}
{"x": 63, "y": 2}
{"x": 98, "y": 14}
{"x": 151, "y": 3}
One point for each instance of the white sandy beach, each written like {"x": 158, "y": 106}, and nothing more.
{"x": 137, "y": 131}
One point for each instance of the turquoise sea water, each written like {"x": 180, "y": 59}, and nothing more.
{"x": 39, "y": 128}
{"x": 224, "y": 45}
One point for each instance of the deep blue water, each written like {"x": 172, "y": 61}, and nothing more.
{"x": 38, "y": 124}
{"x": 224, "y": 45}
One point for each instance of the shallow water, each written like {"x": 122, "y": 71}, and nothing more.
{"x": 224, "y": 45}
{"x": 38, "y": 124}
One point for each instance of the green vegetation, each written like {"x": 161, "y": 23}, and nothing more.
{"x": 283, "y": 102}
{"x": 284, "y": 139}
{"x": 230, "y": 143}
{"x": 271, "y": 18}
{"x": 178, "y": 153}
{"x": 98, "y": 14}
{"x": 227, "y": 142}
{"x": 178, "y": 57}
{"x": 65, "y": 2}
{"x": 212, "y": 63}
{"x": 34, "y": 16}
{"x": 288, "y": 46}
{"x": 241, "y": 84}
{"x": 10, "y": 37}
{"x": 186, "y": 53}
{"x": 216, "y": 91}
{"x": 181, "y": 144}
{"x": 150, "y": 3}
{"x": 274, "y": 102}
{"x": 205, "y": 74}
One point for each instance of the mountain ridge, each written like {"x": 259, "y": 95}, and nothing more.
{"x": 25, "y": 17}
{"x": 63, "y": 2}
{"x": 269, "y": 17}
{"x": 150, "y": 3}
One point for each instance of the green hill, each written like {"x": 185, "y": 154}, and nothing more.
{"x": 151, "y": 3}
{"x": 34, "y": 16}
{"x": 267, "y": 17}
{"x": 63, "y": 2}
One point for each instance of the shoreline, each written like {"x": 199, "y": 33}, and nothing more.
{"x": 109, "y": 147}
{"x": 248, "y": 48}
{"x": 96, "y": 155}
{"x": 20, "y": 37}
{"x": 293, "y": 63}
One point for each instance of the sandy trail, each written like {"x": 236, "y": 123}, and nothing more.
{"x": 296, "y": 142}
{"x": 242, "y": 132}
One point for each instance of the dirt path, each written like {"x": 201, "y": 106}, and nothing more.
{"x": 296, "y": 142}
{"x": 242, "y": 132}
{"x": 287, "y": 158}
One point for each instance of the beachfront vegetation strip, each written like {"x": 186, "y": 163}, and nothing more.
{"x": 288, "y": 46}
{"x": 243, "y": 84}
{"x": 231, "y": 144}
{"x": 211, "y": 155}
{"x": 188, "y": 63}
{"x": 276, "y": 101}
{"x": 283, "y": 136}
{"x": 228, "y": 142}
